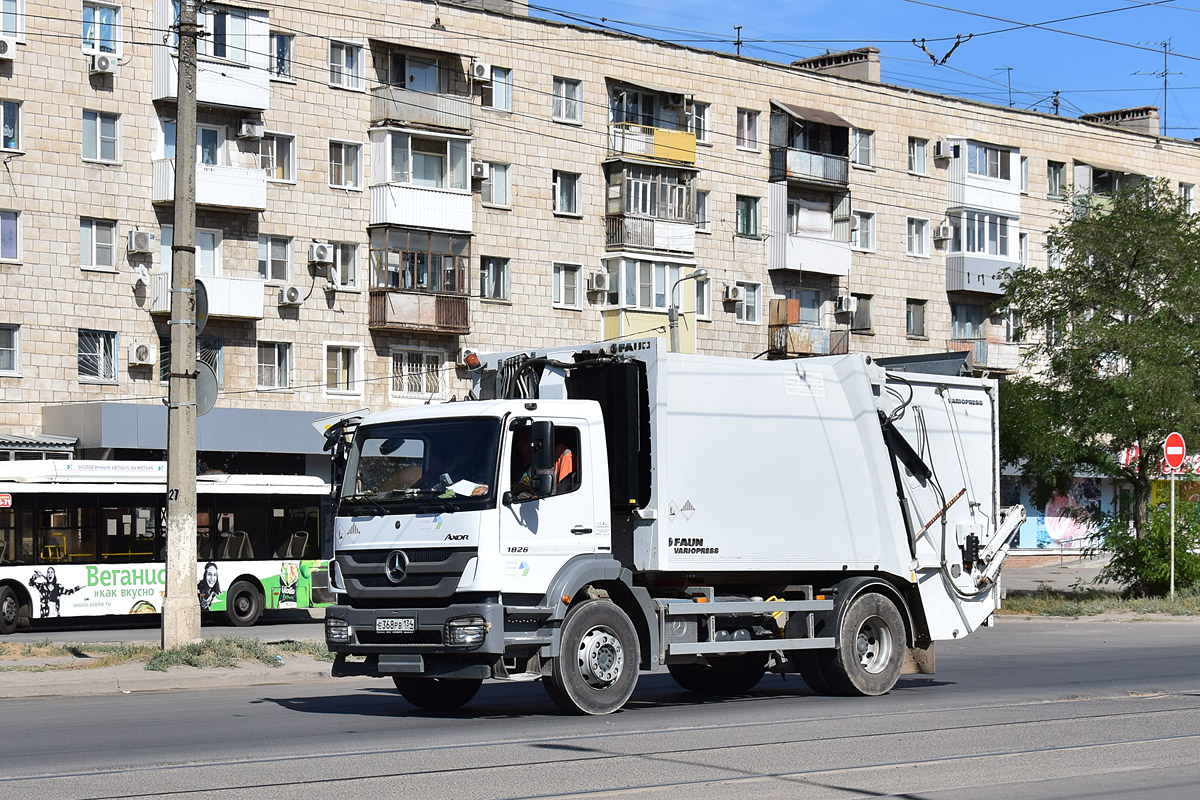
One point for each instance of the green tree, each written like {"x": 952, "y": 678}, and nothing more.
{"x": 1113, "y": 364}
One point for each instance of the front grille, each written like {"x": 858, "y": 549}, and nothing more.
{"x": 375, "y": 581}
{"x": 432, "y": 572}
{"x": 420, "y": 637}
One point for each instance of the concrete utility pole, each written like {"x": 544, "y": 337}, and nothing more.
{"x": 181, "y": 607}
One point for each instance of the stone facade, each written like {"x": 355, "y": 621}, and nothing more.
{"x": 47, "y": 297}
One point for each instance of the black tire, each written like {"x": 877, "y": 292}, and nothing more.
{"x": 10, "y": 610}
{"x": 597, "y": 667}
{"x": 810, "y": 663}
{"x": 243, "y": 604}
{"x": 722, "y": 676}
{"x": 437, "y": 694}
{"x": 870, "y": 650}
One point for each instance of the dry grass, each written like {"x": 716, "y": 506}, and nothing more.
{"x": 229, "y": 651}
{"x": 1083, "y": 602}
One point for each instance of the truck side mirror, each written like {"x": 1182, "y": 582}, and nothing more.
{"x": 541, "y": 458}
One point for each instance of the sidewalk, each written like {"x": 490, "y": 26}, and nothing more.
{"x": 1053, "y": 571}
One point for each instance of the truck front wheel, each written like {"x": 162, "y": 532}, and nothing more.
{"x": 722, "y": 675}
{"x": 597, "y": 665}
{"x": 437, "y": 694}
{"x": 870, "y": 648}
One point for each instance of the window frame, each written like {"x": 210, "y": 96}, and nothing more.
{"x": 1023, "y": 174}
{"x": 703, "y": 210}
{"x": 856, "y": 230}
{"x": 739, "y": 312}
{"x": 560, "y": 100}
{"x": 747, "y": 132}
{"x": 91, "y": 265}
{"x": 980, "y": 150}
{"x": 205, "y": 14}
{"x": 112, "y": 359}
{"x": 557, "y": 176}
{"x": 273, "y": 56}
{"x": 17, "y": 234}
{"x": 981, "y": 224}
{"x": 487, "y": 97}
{"x": 487, "y": 187}
{"x": 18, "y": 126}
{"x": 742, "y": 217}
{"x": 426, "y": 353}
{"x": 94, "y": 49}
{"x": 336, "y": 272}
{"x": 217, "y": 251}
{"x": 911, "y": 330}
{"x": 487, "y": 270}
{"x": 345, "y": 144}
{"x": 922, "y": 237}
{"x": 703, "y": 297}
{"x": 1187, "y": 193}
{"x": 857, "y": 136}
{"x": 700, "y": 122}
{"x": 18, "y": 29}
{"x": 917, "y": 144}
{"x": 283, "y": 370}
{"x": 268, "y": 240}
{"x": 862, "y": 309}
{"x": 356, "y": 368}
{"x": 15, "y": 329}
{"x": 97, "y": 121}
{"x": 276, "y": 137}
{"x": 1059, "y": 169}
{"x": 352, "y": 81}
{"x": 558, "y": 286}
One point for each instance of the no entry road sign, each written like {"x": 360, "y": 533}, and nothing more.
{"x": 1175, "y": 451}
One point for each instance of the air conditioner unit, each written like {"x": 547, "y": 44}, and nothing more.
{"x": 481, "y": 71}
{"x": 140, "y": 242}
{"x": 600, "y": 282}
{"x": 675, "y": 100}
{"x": 141, "y": 354}
{"x": 320, "y": 253}
{"x": 290, "y": 295}
{"x": 845, "y": 304}
{"x": 480, "y": 170}
{"x": 942, "y": 232}
{"x": 104, "y": 65}
{"x": 943, "y": 149}
{"x": 251, "y": 129}
{"x": 735, "y": 294}
{"x": 8, "y": 49}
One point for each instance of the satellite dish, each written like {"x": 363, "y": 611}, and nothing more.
{"x": 206, "y": 388}
{"x": 201, "y": 307}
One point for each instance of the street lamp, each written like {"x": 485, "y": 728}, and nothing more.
{"x": 673, "y": 309}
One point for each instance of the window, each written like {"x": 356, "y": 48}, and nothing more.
{"x": 1023, "y": 248}
{"x": 702, "y": 218}
{"x": 1053, "y": 258}
{"x": 418, "y": 373}
{"x": 810, "y": 305}
{"x": 1187, "y": 193}
{"x": 101, "y": 27}
{"x": 208, "y": 250}
{"x": 1024, "y": 173}
{"x": 567, "y": 107}
{"x": 208, "y": 350}
{"x": 345, "y": 65}
{"x": 275, "y": 258}
{"x": 345, "y": 265}
{"x": 10, "y": 125}
{"x": 966, "y": 321}
{"x": 914, "y": 324}
{"x": 749, "y": 310}
{"x": 566, "y": 192}
{"x": 10, "y": 235}
{"x": 493, "y": 278}
{"x": 101, "y": 137}
{"x": 991, "y": 162}
{"x": 1054, "y": 178}
{"x": 341, "y": 369}
{"x": 209, "y": 139}
{"x": 434, "y": 163}
{"x": 12, "y": 18}
{"x": 1014, "y": 326}
{"x": 862, "y": 146}
{"x": 658, "y": 192}
{"x": 494, "y": 189}
{"x": 226, "y": 32}
{"x": 810, "y": 214}
{"x": 861, "y": 319}
{"x": 976, "y": 232}
{"x": 566, "y": 285}
{"x": 419, "y": 260}
{"x": 703, "y": 298}
{"x": 276, "y": 157}
{"x": 97, "y": 355}
{"x": 701, "y": 122}
{"x": 918, "y": 156}
{"x": 918, "y": 237}
{"x": 10, "y": 349}
{"x": 747, "y": 129}
{"x": 862, "y": 230}
{"x": 498, "y": 93}
{"x": 747, "y": 215}
{"x": 281, "y": 55}
{"x": 648, "y": 284}
{"x": 418, "y": 73}
{"x": 345, "y": 165}
{"x": 97, "y": 243}
{"x": 274, "y": 365}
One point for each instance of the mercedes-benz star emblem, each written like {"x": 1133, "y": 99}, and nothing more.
{"x": 397, "y": 566}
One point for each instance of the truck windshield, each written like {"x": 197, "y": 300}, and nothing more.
{"x": 423, "y": 466}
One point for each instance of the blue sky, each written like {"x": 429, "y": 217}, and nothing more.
{"x": 1091, "y": 75}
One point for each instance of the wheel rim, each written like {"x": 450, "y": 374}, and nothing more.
{"x": 873, "y": 645}
{"x": 241, "y": 605}
{"x": 601, "y": 657}
{"x": 9, "y": 610}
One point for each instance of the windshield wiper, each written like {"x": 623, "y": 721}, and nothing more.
{"x": 365, "y": 497}
{"x": 430, "y": 494}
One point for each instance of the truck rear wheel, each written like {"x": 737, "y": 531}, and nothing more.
{"x": 722, "y": 675}
{"x": 597, "y": 665}
{"x": 810, "y": 663}
{"x": 870, "y": 650}
{"x": 437, "y": 694}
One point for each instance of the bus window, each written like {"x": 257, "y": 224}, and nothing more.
{"x": 127, "y": 534}
{"x": 295, "y": 532}
{"x": 67, "y": 533}
{"x": 16, "y": 541}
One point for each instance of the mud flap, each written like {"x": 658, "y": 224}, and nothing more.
{"x": 919, "y": 661}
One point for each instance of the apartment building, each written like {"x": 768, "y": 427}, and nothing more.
{"x": 383, "y": 184}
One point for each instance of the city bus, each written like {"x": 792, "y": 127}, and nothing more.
{"x": 88, "y": 538}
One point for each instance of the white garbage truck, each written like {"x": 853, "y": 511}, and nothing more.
{"x": 593, "y": 511}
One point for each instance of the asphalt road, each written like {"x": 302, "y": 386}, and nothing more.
{"x": 1031, "y": 709}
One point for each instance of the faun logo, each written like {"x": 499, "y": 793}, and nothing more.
{"x": 690, "y": 546}
{"x": 457, "y": 537}
{"x": 629, "y": 347}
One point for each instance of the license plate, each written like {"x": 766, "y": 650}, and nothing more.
{"x": 395, "y": 625}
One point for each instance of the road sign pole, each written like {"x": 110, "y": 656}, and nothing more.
{"x": 1172, "y": 534}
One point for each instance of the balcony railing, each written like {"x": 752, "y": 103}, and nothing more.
{"x": 971, "y": 273}
{"x": 229, "y": 298}
{"x": 660, "y": 144}
{"x": 428, "y": 312}
{"x": 216, "y": 186}
{"x": 795, "y": 251}
{"x": 790, "y": 341}
{"x": 803, "y": 165}
{"x": 399, "y": 105}
{"x": 647, "y": 233}
{"x": 421, "y": 207}
{"x": 224, "y": 84}
{"x": 1003, "y": 356}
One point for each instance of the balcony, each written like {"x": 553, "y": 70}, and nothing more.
{"x": 216, "y": 186}
{"x": 395, "y": 105}
{"x": 658, "y": 144}
{"x": 647, "y": 233}
{"x": 421, "y": 207}
{"x": 803, "y": 166}
{"x": 219, "y": 83}
{"x": 790, "y": 341}
{"x": 1001, "y": 356}
{"x": 229, "y": 298}
{"x": 801, "y": 253}
{"x": 966, "y": 273}
{"x": 426, "y": 312}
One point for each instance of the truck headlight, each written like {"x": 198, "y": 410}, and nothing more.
{"x": 466, "y": 630}
{"x": 337, "y": 630}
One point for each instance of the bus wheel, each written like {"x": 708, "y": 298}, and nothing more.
{"x": 437, "y": 694}
{"x": 243, "y": 604}
{"x": 597, "y": 665}
{"x": 723, "y": 675}
{"x": 10, "y": 610}
{"x": 870, "y": 650}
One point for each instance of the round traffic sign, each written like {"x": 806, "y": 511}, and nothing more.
{"x": 1174, "y": 450}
